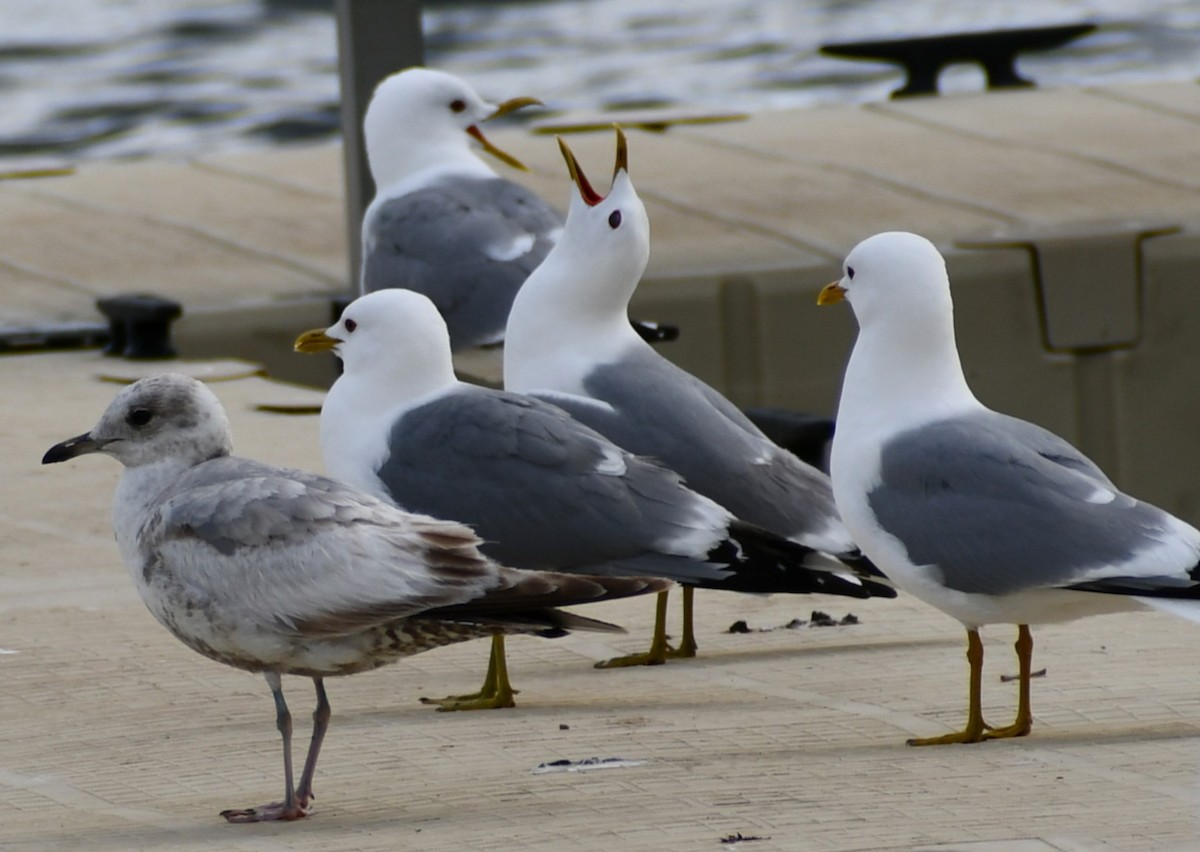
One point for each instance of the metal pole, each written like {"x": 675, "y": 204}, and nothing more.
{"x": 375, "y": 38}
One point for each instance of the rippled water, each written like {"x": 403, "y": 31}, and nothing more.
{"x": 113, "y": 78}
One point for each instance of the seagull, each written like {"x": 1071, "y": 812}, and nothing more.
{"x": 285, "y": 572}
{"x": 443, "y": 222}
{"x": 542, "y": 490}
{"x": 991, "y": 519}
{"x": 569, "y": 343}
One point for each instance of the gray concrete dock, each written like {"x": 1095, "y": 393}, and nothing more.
{"x": 117, "y": 737}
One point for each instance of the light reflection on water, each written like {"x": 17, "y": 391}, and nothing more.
{"x": 107, "y": 78}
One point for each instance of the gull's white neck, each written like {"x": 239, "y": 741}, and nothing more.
{"x": 358, "y": 413}
{"x": 400, "y": 171}
{"x": 556, "y": 335}
{"x": 901, "y": 375}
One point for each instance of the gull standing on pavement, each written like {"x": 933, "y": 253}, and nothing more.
{"x": 285, "y": 572}
{"x": 991, "y": 519}
{"x": 541, "y": 489}
{"x": 569, "y": 343}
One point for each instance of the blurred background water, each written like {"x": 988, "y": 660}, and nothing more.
{"x": 86, "y": 79}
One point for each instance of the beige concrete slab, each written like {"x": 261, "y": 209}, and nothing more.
{"x": 1181, "y": 97}
{"x": 108, "y": 252}
{"x": 315, "y": 169}
{"x": 270, "y": 220}
{"x": 906, "y": 147}
{"x": 117, "y": 737}
{"x": 1084, "y": 125}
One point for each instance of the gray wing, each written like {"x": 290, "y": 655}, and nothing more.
{"x": 999, "y": 505}
{"x": 466, "y": 243}
{"x": 656, "y": 409}
{"x": 543, "y": 491}
{"x": 299, "y": 553}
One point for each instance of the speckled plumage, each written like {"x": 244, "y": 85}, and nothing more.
{"x": 285, "y": 572}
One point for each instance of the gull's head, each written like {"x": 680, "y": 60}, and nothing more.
{"x": 419, "y": 118}
{"x": 393, "y": 339}
{"x": 894, "y": 278}
{"x": 168, "y": 416}
{"x": 605, "y": 243}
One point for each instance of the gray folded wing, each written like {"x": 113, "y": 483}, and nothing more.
{"x": 655, "y": 409}
{"x": 466, "y": 243}
{"x": 544, "y": 491}
{"x": 298, "y": 553}
{"x": 996, "y": 505}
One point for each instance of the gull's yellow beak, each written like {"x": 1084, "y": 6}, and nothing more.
{"x": 830, "y": 294}
{"x": 512, "y": 105}
{"x": 622, "y": 162}
{"x": 503, "y": 109}
{"x": 315, "y": 341}
{"x": 589, "y": 195}
{"x": 503, "y": 156}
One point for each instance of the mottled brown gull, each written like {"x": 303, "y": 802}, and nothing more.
{"x": 281, "y": 571}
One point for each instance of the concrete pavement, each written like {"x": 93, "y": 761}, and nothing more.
{"x": 115, "y": 736}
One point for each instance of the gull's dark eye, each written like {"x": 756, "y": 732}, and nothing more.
{"x": 458, "y": 105}
{"x": 139, "y": 417}
{"x": 350, "y": 325}
{"x": 850, "y": 272}
{"x": 614, "y": 219}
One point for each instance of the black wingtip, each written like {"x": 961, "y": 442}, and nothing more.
{"x": 764, "y": 563}
{"x": 655, "y": 332}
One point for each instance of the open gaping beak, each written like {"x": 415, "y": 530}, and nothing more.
{"x": 512, "y": 105}
{"x": 621, "y": 164}
{"x": 80, "y": 445}
{"x": 315, "y": 340}
{"x": 503, "y": 109}
{"x": 831, "y": 293}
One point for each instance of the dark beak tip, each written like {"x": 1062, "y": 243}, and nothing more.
{"x": 69, "y": 449}
{"x": 55, "y": 454}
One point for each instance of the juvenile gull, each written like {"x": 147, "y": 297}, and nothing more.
{"x": 989, "y": 518}
{"x": 541, "y": 489}
{"x": 569, "y": 342}
{"x": 284, "y": 572}
{"x": 443, "y": 222}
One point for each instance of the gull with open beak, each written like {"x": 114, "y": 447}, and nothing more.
{"x": 443, "y": 223}
{"x": 569, "y": 342}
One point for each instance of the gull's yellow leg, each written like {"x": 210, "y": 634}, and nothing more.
{"x": 687, "y": 643}
{"x": 1024, "y": 720}
{"x": 496, "y": 691}
{"x": 974, "y": 731}
{"x": 659, "y": 649}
